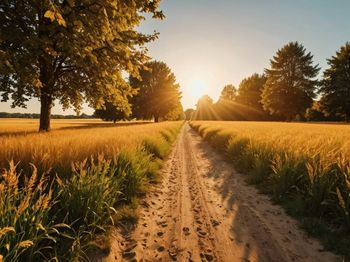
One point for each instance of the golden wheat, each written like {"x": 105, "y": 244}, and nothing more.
{"x": 302, "y": 165}
{"x": 327, "y": 140}
{"x": 62, "y": 147}
{"x": 106, "y": 166}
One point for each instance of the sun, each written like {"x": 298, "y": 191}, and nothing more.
{"x": 197, "y": 88}
{"x": 193, "y": 89}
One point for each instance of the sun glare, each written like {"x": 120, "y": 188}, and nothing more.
{"x": 197, "y": 88}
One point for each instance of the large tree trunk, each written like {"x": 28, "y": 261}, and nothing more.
{"x": 47, "y": 64}
{"x": 46, "y": 97}
{"x": 156, "y": 119}
{"x": 45, "y": 112}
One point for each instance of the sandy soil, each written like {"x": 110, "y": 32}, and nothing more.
{"x": 204, "y": 211}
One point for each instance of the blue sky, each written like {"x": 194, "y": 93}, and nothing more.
{"x": 210, "y": 43}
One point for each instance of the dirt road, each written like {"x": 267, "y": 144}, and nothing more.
{"x": 204, "y": 211}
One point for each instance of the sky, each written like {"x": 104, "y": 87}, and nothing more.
{"x": 208, "y": 44}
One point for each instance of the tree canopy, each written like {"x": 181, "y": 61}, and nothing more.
{"x": 204, "y": 109}
{"x": 111, "y": 112}
{"x": 225, "y": 107}
{"x": 290, "y": 85}
{"x": 250, "y": 90}
{"x": 335, "y": 87}
{"x": 229, "y": 92}
{"x": 71, "y": 51}
{"x": 177, "y": 113}
{"x": 158, "y": 92}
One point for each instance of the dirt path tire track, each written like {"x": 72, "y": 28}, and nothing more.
{"x": 204, "y": 211}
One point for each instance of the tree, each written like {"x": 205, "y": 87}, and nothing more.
{"x": 250, "y": 90}
{"x": 315, "y": 113}
{"x": 158, "y": 92}
{"x": 176, "y": 114}
{"x": 290, "y": 85}
{"x": 205, "y": 109}
{"x": 336, "y": 84}
{"x": 111, "y": 112}
{"x": 229, "y": 92}
{"x": 225, "y": 108}
{"x": 249, "y": 97}
{"x": 70, "y": 51}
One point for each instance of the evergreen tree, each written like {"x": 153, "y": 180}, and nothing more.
{"x": 158, "y": 92}
{"x": 290, "y": 86}
{"x": 70, "y": 50}
{"x": 336, "y": 84}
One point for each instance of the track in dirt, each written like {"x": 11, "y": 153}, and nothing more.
{"x": 204, "y": 211}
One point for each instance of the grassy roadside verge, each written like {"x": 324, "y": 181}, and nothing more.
{"x": 56, "y": 215}
{"x": 312, "y": 185}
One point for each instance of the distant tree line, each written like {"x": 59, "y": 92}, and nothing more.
{"x": 289, "y": 90}
{"x": 37, "y": 116}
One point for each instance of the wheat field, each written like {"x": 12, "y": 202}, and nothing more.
{"x": 304, "y": 166}
{"x": 23, "y": 126}
{"x": 59, "y": 190}
{"x": 328, "y": 140}
{"x": 71, "y": 141}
